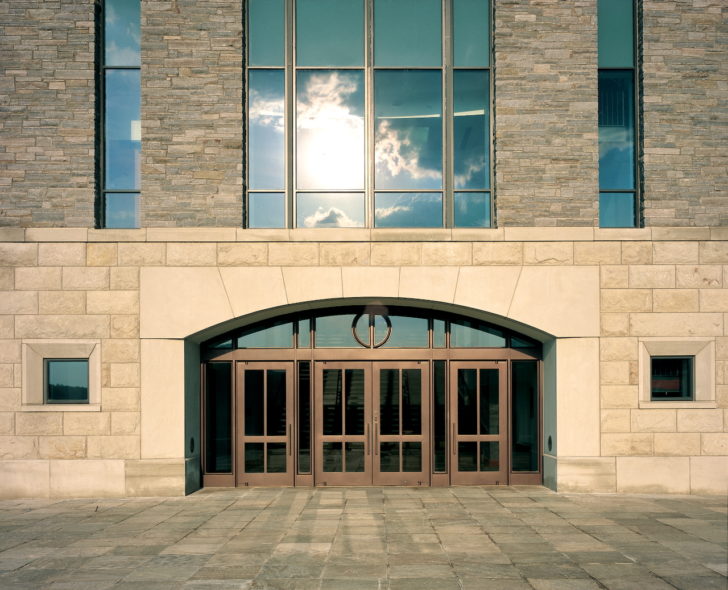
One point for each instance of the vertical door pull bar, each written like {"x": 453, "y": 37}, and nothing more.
{"x": 453, "y": 438}
{"x": 369, "y": 442}
{"x": 290, "y": 445}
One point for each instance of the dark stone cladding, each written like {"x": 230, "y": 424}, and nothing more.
{"x": 546, "y": 153}
{"x": 546, "y": 113}
{"x": 685, "y": 81}
{"x": 47, "y": 113}
{"x": 192, "y": 113}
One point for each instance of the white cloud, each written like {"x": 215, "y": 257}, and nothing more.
{"x": 331, "y": 217}
{"x": 398, "y": 154}
{"x": 384, "y": 212}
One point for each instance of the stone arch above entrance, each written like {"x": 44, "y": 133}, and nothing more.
{"x": 182, "y": 301}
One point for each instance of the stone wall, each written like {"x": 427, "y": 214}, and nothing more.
{"x": 546, "y": 152}
{"x": 685, "y": 72}
{"x": 146, "y": 290}
{"x": 545, "y": 105}
{"x": 192, "y": 132}
{"x": 47, "y": 121}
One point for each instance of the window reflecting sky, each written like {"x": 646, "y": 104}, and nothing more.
{"x": 408, "y": 129}
{"x": 266, "y": 129}
{"x": 330, "y": 210}
{"x": 330, "y": 125}
{"x": 472, "y": 209}
{"x": 122, "y": 210}
{"x": 330, "y": 32}
{"x": 408, "y": 210}
{"x": 121, "y": 33}
{"x": 471, "y": 129}
{"x": 616, "y": 130}
{"x": 266, "y": 210}
{"x": 123, "y": 129}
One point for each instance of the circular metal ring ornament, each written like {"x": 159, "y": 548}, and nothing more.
{"x": 366, "y": 344}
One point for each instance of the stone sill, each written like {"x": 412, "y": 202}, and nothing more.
{"x": 61, "y": 408}
{"x": 677, "y": 405}
{"x": 236, "y": 234}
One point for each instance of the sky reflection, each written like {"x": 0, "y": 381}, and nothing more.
{"x": 266, "y": 139}
{"x": 408, "y": 129}
{"x": 330, "y": 126}
{"x": 330, "y": 210}
{"x": 408, "y": 210}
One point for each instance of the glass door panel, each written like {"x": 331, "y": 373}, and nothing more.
{"x": 401, "y": 424}
{"x": 342, "y": 424}
{"x": 479, "y": 423}
{"x": 265, "y": 423}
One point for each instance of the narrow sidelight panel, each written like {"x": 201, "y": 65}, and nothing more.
{"x": 218, "y": 418}
{"x": 439, "y": 417}
{"x": 524, "y": 416}
{"x": 304, "y": 417}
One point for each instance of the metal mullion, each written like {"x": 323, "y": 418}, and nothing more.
{"x": 290, "y": 124}
{"x": 491, "y": 112}
{"x": 369, "y": 170}
{"x": 448, "y": 114}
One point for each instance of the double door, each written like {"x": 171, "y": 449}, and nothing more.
{"x": 373, "y": 423}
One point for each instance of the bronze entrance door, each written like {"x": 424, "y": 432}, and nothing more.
{"x": 372, "y": 423}
{"x": 478, "y": 425}
{"x": 264, "y": 423}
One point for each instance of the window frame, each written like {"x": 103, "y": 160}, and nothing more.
{"x": 447, "y": 71}
{"x": 102, "y": 68}
{"x": 691, "y": 378}
{"x": 46, "y": 381}
{"x": 637, "y": 99}
{"x": 35, "y": 353}
{"x": 702, "y": 350}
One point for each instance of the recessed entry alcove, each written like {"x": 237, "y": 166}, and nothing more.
{"x": 370, "y": 392}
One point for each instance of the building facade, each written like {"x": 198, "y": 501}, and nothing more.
{"x": 179, "y": 308}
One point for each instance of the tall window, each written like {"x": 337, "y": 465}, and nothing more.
{"x": 618, "y": 194}
{"x": 120, "y": 133}
{"x": 368, "y": 113}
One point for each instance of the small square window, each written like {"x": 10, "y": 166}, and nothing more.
{"x": 671, "y": 378}
{"x": 66, "y": 381}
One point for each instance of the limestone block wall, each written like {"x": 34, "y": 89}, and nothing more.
{"x": 141, "y": 293}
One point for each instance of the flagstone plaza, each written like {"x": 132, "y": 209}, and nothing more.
{"x": 469, "y": 538}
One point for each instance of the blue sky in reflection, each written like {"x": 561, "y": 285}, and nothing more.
{"x": 408, "y": 129}
{"x": 266, "y": 138}
{"x": 471, "y": 149}
{"x": 330, "y": 210}
{"x": 408, "y": 210}
{"x": 123, "y": 131}
{"x": 330, "y": 129}
{"x": 121, "y": 33}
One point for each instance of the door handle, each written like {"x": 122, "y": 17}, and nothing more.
{"x": 453, "y": 438}
{"x": 369, "y": 442}
{"x": 290, "y": 449}
{"x": 376, "y": 442}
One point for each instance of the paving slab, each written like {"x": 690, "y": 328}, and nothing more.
{"x": 468, "y": 538}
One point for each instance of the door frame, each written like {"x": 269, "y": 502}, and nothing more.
{"x": 341, "y": 478}
{"x": 479, "y": 477}
{"x": 241, "y": 439}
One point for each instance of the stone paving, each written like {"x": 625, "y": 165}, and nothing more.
{"x": 466, "y": 538}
